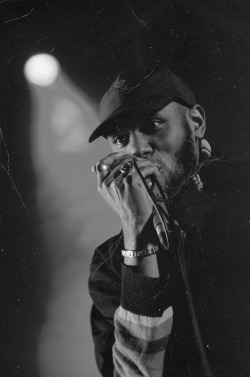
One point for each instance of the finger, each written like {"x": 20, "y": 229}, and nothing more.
{"x": 105, "y": 178}
{"x": 101, "y": 178}
{"x": 124, "y": 166}
{"x": 118, "y": 182}
{"x": 107, "y": 161}
{"x": 134, "y": 179}
{"x": 147, "y": 169}
{"x": 122, "y": 160}
{"x": 103, "y": 169}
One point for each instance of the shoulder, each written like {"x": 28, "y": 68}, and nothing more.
{"x": 227, "y": 183}
{"x": 227, "y": 178}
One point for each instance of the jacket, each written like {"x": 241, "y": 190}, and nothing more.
{"x": 143, "y": 326}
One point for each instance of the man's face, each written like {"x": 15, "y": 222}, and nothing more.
{"x": 164, "y": 137}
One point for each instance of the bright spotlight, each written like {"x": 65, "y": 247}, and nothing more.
{"x": 41, "y": 69}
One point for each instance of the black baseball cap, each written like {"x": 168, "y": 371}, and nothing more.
{"x": 138, "y": 90}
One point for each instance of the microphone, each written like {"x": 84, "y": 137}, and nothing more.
{"x": 157, "y": 221}
{"x": 159, "y": 228}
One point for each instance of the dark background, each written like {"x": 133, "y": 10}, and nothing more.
{"x": 205, "y": 42}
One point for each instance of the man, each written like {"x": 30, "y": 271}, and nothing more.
{"x": 179, "y": 307}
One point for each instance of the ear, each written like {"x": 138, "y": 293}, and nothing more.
{"x": 197, "y": 120}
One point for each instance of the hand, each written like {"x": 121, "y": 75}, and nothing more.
{"x": 126, "y": 193}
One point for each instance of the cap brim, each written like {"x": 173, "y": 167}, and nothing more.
{"x": 158, "y": 104}
{"x": 100, "y": 130}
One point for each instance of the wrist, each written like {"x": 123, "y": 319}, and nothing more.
{"x": 135, "y": 257}
{"x": 140, "y": 237}
{"x": 145, "y": 266}
{"x": 134, "y": 242}
{"x": 150, "y": 250}
{"x": 133, "y": 238}
{"x": 144, "y": 262}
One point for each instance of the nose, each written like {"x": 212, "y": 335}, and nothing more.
{"x": 139, "y": 144}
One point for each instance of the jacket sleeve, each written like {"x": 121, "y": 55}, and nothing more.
{"x": 131, "y": 317}
{"x": 143, "y": 324}
{"x": 105, "y": 291}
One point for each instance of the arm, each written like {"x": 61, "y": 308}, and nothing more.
{"x": 143, "y": 300}
{"x": 143, "y": 324}
{"x": 105, "y": 291}
{"x": 127, "y": 195}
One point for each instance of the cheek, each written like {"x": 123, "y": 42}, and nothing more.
{"x": 168, "y": 146}
{"x": 171, "y": 141}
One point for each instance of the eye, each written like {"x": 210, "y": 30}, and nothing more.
{"x": 120, "y": 140}
{"x": 156, "y": 123}
{"x": 152, "y": 126}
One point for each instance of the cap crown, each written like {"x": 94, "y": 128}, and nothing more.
{"x": 138, "y": 90}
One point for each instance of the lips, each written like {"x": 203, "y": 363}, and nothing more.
{"x": 158, "y": 165}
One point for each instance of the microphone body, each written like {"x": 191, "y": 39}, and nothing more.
{"x": 157, "y": 221}
{"x": 159, "y": 228}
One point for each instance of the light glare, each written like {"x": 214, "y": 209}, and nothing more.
{"x": 41, "y": 69}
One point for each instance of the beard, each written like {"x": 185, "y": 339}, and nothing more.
{"x": 180, "y": 167}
